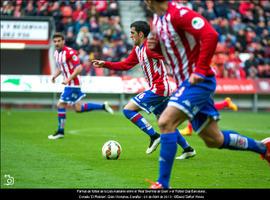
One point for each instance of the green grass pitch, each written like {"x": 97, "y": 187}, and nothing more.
{"x": 76, "y": 161}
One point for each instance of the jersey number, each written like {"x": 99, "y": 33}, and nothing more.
{"x": 180, "y": 92}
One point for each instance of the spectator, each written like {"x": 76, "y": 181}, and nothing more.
{"x": 30, "y": 9}
{"x": 42, "y": 8}
{"x": 209, "y": 13}
{"x": 95, "y": 28}
{"x": 84, "y": 32}
{"x": 71, "y": 40}
{"x": 79, "y": 13}
{"x": 96, "y": 46}
{"x": 54, "y": 11}
{"x": 7, "y": 9}
{"x": 17, "y": 11}
{"x": 93, "y": 25}
{"x": 235, "y": 71}
{"x": 86, "y": 44}
{"x": 101, "y": 6}
{"x": 250, "y": 67}
{"x": 184, "y": 3}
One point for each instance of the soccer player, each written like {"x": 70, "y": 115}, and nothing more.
{"x": 69, "y": 65}
{"x": 153, "y": 100}
{"x": 188, "y": 42}
{"x": 226, "y": 103}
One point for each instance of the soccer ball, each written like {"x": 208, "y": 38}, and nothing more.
{"x": 111, "y": 150}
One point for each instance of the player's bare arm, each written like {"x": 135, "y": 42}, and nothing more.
{"x": 57, "y": 73}
{"x": 76, "y": 72}
{"x": 98, "y": 63}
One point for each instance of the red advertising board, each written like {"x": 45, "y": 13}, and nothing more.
{"x": 235, "y": 86}
{"x": 224, "y": 86}
{"x": 137, "y": 85}
{"x": 262, "y": 86}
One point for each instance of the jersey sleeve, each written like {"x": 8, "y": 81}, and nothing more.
{"x": 201, "y": 29}
{"x": 126, "y": 64}
{"x": 73, "y": 58}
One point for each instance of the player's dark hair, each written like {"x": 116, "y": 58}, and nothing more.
{"x": 141, "y": 26}
{"x": 59, "y": 35}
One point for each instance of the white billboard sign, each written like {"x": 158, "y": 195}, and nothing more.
{"x": 24, "y": 30}
{"x": 36, "y": 83}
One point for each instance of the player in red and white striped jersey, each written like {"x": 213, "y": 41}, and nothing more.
{"x": 152, "y": 100}
{"x": 68, "y": 64}
{"x": 152, "y": 66}
{"x": 182, "y": 49}
{"x": 188, "y": 43}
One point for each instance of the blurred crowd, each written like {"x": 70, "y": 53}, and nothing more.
{"x": 243, "y": 49}
{"x": 94, "y": 29}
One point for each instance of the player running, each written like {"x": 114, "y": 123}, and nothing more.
{"x": 153, "y": 100}
{"x": 69, "y": 65}
{"x": 188, "y": 42}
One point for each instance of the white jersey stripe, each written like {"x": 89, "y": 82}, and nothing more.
{"x": 165, "y": 79}
{"x": 147, "y": 64}
{"x": 61, "y": 58}
{"x": 144, "y": 67}
{"x": 181, "y": 50}
{"x": 171, "y": 51}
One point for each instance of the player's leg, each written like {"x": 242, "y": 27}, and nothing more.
{"x": 87, "y": 107}
{"x": 168, "y": 122}
{"x": 229, "y": 139}
{"x": 206, "y": 125}
{"x": 226, "y": 103}
{"x": 61, "y": 110}
{"x": 131, "y": 112}
{"x": 188, "y": 151}
{"x": 184, "y": 104}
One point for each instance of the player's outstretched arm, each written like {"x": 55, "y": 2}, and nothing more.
{"x": 98, "y": 63}
{"x": 125, "y": 64}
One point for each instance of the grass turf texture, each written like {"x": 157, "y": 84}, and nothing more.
{"x": 76, "y": 161}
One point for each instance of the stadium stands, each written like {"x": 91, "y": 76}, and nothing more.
{"x": 94, "y": 29}
{"x": 243, "y": 50}
{"x": 91, "y": 27}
